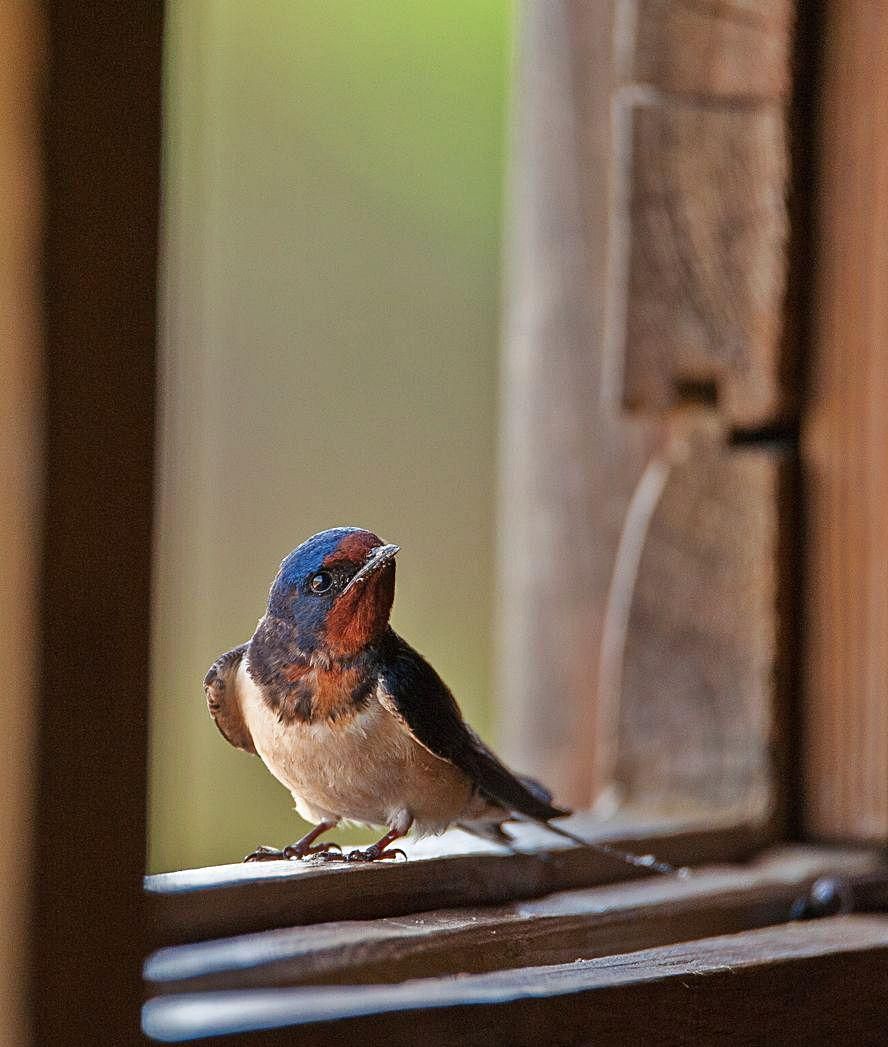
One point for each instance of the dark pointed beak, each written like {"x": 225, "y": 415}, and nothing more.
{"x": 379, "y": 557}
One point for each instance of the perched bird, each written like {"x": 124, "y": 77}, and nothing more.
{"x": 352, "y": 720}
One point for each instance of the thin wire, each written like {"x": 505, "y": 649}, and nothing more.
{"x": 618, "y": 606}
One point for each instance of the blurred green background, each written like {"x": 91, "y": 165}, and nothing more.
{"x": 333, "y": 206}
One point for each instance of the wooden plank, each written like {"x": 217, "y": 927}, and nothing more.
{"x": 21, "y": 84}
{"x": 102, "y": 159}
{"x": 568, "y": 460}
{"x": 720, "y": 50}
{"x": 686, "y": 303}
{"x": 817, "y": 982}
{"x": 707, "y": 229}
{"x": 555, "y": 929}
{"x": 845, "y": 441}
{"x": 704, "y": 624}
{"x": 236, "y": 899}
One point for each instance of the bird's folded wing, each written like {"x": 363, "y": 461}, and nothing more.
{"x": 413, "y": 691}
{"x": 223, "y": 701}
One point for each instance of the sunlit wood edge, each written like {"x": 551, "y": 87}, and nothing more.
{"x": 555, "y": 929}
{"x": 738, "y": 977}
{"x": 224, "y": 900}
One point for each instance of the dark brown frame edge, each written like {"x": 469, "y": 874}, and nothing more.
{"x": 102, "y": 124}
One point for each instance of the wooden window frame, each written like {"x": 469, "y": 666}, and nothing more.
{"x": 91, "y": 924}
{"x": 101, "y": 121}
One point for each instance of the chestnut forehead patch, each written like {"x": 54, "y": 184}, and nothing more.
{"x": 353, "y": 548}
{"x": 321, "y": 549}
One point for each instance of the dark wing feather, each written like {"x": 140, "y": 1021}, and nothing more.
{"x": 222, "y": 700}
{"x": 424, "y": 702}
{"x": 537, "y": 788}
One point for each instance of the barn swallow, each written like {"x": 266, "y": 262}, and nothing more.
{"x": 353, "y": 721}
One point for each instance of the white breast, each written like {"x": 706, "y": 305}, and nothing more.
{"x": 366, "y": 769}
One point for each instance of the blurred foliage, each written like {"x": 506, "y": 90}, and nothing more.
{"x": 333, "y": 187}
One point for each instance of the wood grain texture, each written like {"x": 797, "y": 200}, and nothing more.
{"x": 555, "y": 929}
{"x": 817, "y": 982}
{"x": 224, "y": 900}
{"x": 845, "y": 440}
{"x": 568, "y": 459}
{"x": 705, "y": 256}
{"x": 703, "y": 659}
{"x": 647, "y": 262}
{"x": 737, "y": 51}
{"x": 20, "y": 466}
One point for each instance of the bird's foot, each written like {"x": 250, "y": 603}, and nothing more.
{"x": 315, "y": 849}
{"x": 265, "y": 854}
{"x": 375, "y": 853}
{"x": 293, "y": 852}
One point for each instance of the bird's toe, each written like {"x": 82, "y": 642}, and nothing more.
{"x": 313, "y": 850}
{"x": 375, "y": 854}
{"x": 265, "y": 854}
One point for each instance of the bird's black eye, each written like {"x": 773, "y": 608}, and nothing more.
{"x": 322, "y": 582}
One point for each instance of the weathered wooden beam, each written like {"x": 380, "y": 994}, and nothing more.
{"x": 736, "y": 51}
{"x": 817, "y": 982}
{"x": 647, "y": 266}
{"x": 223, "y": 900}
{"x": 568, "y": 459}
{"x": 697, "y": 715}
{"x": 706, "y": 229}
{"x": 845, "y": 441}
{"x": 701, "y": 225}
{"x": 555, "y": 929}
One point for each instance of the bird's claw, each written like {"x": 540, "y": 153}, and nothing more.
{"x": 294, "y": 852}
{"x": 265, "y": 854}
{"x": 375, "y": 854}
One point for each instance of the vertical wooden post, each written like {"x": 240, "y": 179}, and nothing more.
{"x": 644, "y": 337}
{"x": 845, "y": 444}
{"x": 20, "y": 464}
{"x": 568, "y": 467}
{"x": 102, "y": 175}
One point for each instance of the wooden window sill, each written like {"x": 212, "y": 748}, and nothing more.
{"x": 452, "y": 870}
{"x": 351, "y": 950}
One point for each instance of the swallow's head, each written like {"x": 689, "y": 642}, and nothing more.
{"x": 336, "y": 590}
